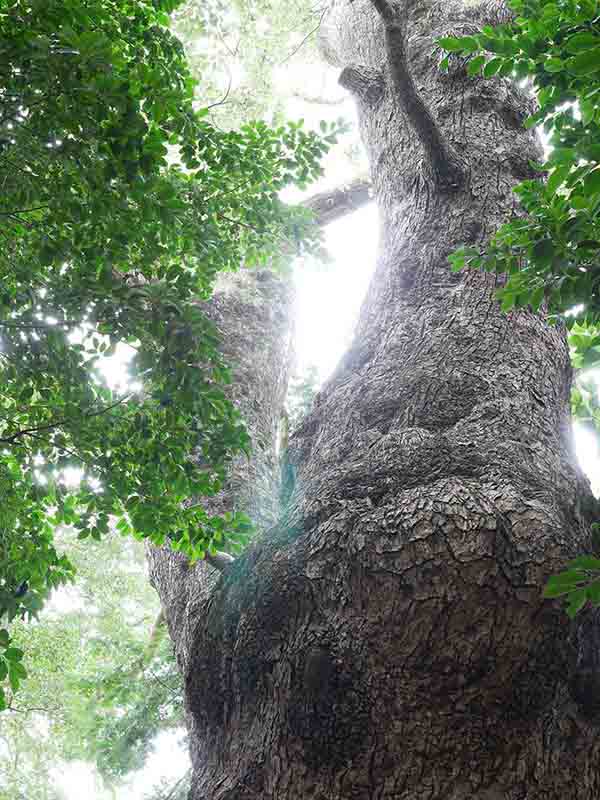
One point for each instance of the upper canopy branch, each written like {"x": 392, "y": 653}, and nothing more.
{"x": 447, "y": 169}
{"x": 334, "y": 204}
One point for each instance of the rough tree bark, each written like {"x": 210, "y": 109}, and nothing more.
{"x": 252, "y": 311}
{"x": 387, "y": 639}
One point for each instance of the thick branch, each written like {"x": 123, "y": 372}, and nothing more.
{"x": 220, "y": 560}
{"x": 336, "y": 203}
{"x": 363, "y": 81}
{"x": 445, "y": 165}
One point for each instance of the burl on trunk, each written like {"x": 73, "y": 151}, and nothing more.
{"x": 387, "y": 638}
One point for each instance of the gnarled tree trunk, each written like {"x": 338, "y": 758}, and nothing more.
{"x": 387, "y": 639}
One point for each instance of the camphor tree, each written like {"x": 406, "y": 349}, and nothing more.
{"x": 387, "y": 637}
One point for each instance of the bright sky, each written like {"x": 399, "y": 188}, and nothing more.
{"x": 328, "y": 298}
{"x": 167, "y": 763}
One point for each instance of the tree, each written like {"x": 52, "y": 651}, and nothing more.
{"x": 387, "y": 637}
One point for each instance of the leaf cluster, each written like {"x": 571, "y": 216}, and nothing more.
{"x": 120, "y": 204}
{"x": 549, "y": 250}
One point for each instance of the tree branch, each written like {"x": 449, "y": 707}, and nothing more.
{"x": 220, "y": 561}
{"x": 55, "y": 424}
{"x": 334, "y": 204}
{"x": 447, "y": 169}
{"x": 365, "y": 82}
{"x": 319, "y": 101}
{"x": 385, "y": 10}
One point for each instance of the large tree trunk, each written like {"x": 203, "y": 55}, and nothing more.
{"x": 387, "y": 639}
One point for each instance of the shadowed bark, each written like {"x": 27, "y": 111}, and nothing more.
{"x": 387, "y": 638}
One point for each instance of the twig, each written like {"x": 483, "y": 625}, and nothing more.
{"x": 21, "y": 211}
{"x": 51, "y": 425}
{"x": 303, "y": 42}
{"x": 38, "y": 326}
{"x": 224, "y": 100}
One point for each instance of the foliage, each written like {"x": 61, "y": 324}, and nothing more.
{"x": 579, "y": 583}
{"x": 244, "y": 52}
{"x": 550, "y": 253}
{"x": 120, "y": 204}
{"x": 99, "y": 687}
{"x": 550, "y": 250}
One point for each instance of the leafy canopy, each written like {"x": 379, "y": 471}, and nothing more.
{"x": 120, "y": 204}
{"x": 551, "y": 252}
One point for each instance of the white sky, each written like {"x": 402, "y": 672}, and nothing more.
{"x": 328, "y": 298}
{"x": 168, "y": 762}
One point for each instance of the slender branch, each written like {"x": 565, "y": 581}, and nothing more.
{"x": 55, "y": 424}
{"x": 445, "y": 164}
{"x": 33, "y": 709}
{"x": 39, "y": 325}
{"x": 303, "y": 42}
{"x": 319, "y": 101}
{"x": 21, "y": 211}
{"x": 223, "y": 99}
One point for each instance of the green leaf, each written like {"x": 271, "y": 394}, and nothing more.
{"x": 592, "y": 182}
{"x": 492, "y": 67}
{"x": 577, "y": 600}
{"x": 537, "y": 298}
{"x": 450, "y": 43}
{"x": 469, "y": 44}
{"x": 558, "y": 177}
{"x": 557, "y": 590}
{"x": 585, "y": 562}
{"x": 582, "y": 41}
{"x": 475, "y": 64}
{"x": 543, "y": 251}
{"x": 593, "y": 592}
{"x": 585, "y": 63}
{"x": 554, "y": 65}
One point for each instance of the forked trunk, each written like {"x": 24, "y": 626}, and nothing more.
{"x": 387, "y": 639}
